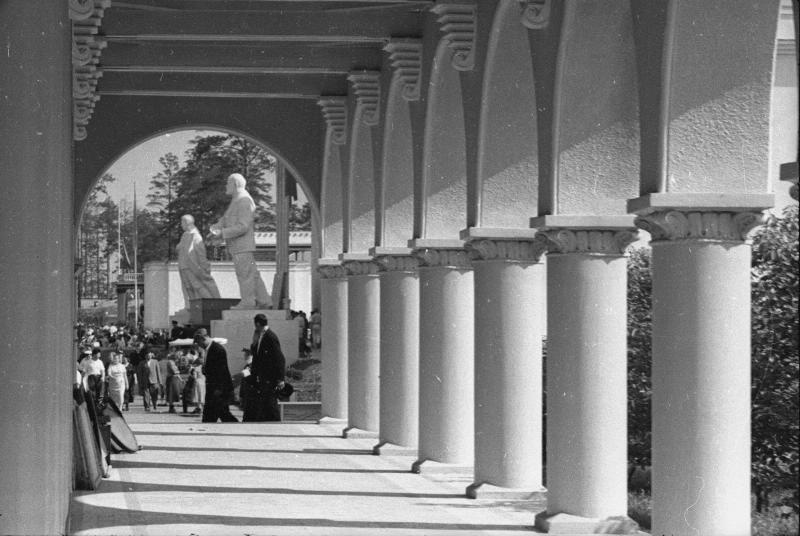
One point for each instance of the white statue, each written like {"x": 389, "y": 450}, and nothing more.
{"x": 237, "y": 229}
{"x": 193, "y": 266}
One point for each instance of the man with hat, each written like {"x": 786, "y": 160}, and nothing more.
{"x": 219, "y": 387}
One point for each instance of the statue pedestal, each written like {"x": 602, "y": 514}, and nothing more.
{"x": 203, "y": 310}
{"x": 237, "y": 326}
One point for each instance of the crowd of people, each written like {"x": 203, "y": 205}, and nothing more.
{"x": 169, "y": 370}
{"x": 309, "y": 334}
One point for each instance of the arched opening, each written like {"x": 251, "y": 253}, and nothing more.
{"x": 130, "y": 224}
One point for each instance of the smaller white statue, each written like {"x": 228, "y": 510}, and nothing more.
{"x": 193, "y": 265}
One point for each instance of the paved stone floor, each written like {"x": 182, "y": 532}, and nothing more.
{"x": 196, "y": 479}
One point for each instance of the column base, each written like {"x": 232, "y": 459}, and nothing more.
{"x": 482, "y": 490}
{"x": 332, "y": 420}
{"x": 356, "y": 433}
{"x": 430, "y": 467}
{"x": 390, "y": 449}
{"x": 568, "y": 524}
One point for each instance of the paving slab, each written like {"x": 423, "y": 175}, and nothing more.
{"x": 201, "y": 479}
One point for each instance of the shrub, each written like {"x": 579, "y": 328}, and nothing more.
{"x": 775, "y": 358}
{"x": 640, "y": 289}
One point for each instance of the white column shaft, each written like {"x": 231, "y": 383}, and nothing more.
{"x": 701, "y": 388}
{"x": 334, "y": 347}
{"x": 446, "y": 416}
{"x": 36, "y": 271}
{"x": 363, "y": 399}
{"x": 508, "y": 373}
{"x": 587, "y": 385}
{"x": 399, "y": 366}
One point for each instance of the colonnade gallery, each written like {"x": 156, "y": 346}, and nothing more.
{"x": 476, "y": 172}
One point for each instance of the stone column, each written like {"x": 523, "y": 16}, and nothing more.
{"x": 701, "y": 359}
{"x": 280, "y": 283}
{"x": 509, "y": 299}
{"x": 36, "y": 271}
{"x": 333, "y": 286}
{"x": 586, "y": 373}
{"x": 446, "y": 353}
{"x": 363, "y": 346}
{"x": 399, "y": 350}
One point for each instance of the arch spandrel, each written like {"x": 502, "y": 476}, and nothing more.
{"x": 361, "y": 192}
{"x": 508, "y": 155}
{"x": 719, "y": 96}
{"x": 332, "y": 202}
{"x": 444, "y": 169}
{"x": 130, "y": 121}
{"x": 398, "y": 172}
{"x": 598, "y": 126}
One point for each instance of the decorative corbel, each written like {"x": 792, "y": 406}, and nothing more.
{"x": 535, "y": 13}
{"x": 458, "y": 22}
{"x": 405, "y": 56}
{"x": 86, "y": 16}
{"x": 366, "y": 86}
{"x": 334, "y": 110}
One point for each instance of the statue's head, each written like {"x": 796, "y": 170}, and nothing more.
{"x": 236, "y": 183}
{"x": 187, "y": 222}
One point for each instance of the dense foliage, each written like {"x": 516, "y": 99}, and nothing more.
{"x": 640, "y": 289}
{"x": 775, "y": 357}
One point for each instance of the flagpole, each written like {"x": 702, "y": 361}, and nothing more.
{"x": 135, "y": 263}
{"x": 119, "y": 239}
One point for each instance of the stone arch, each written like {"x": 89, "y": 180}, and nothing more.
{"x": 507, "y": 155}
{"x": 397, "y": 185}
{"x": 444, "y": 183}
{"x": 289, "y": 166}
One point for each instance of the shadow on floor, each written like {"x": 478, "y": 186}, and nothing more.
{"x": 140, "y": 487}
{"x": 348, "y": 452}
{"x": 124, "y": 464}
{"x": 139, "y": 518}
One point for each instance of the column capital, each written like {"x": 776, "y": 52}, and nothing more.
{"x": 405, "y": 57}
{"x": 707, "y": 217}
{"x": 395, "y": 259}
{"x": 594, "y": 235}
{"x": 358, "y": 264}
{"x": 789, "y": 174}
{"x": 457, "y": 20}
{"x": 331, "y": 269}
{"x": 513, "y": 245}
{"x": 440, "y": 253}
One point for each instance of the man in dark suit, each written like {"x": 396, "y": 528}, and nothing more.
{"x": 267, "y": 373}
{"x": 219, "y": 387}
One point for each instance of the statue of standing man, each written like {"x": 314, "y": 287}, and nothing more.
{"x": 193, "y": 265}
{"x": 237, "y": 229}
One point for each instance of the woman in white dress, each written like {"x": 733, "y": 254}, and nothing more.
{"x": 117, "y": 380}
